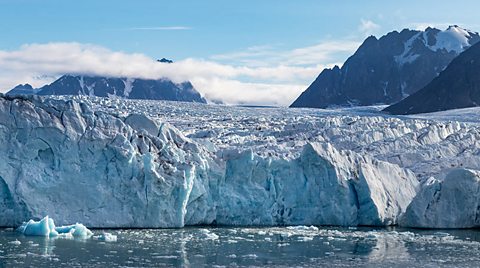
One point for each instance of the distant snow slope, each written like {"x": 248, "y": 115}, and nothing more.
{"x": 101, "y": 162}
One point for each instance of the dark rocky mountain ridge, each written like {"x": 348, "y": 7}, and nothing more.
{"x": 458, "y": 86}
{"x": 388, "y": 69}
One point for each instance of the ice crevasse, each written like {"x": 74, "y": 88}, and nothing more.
{"x": 62, "y": 159}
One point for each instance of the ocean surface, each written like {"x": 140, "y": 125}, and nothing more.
{"x": 246, "y": 247}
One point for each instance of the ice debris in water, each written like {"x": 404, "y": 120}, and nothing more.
{"x": 46, "y": 227}
{"x": 209, "y": 235}
{"x": 303, "y": 228}
{"x": 107, "y": 237}
{"x": 16, "y": 242}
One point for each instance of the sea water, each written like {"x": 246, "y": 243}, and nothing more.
{"x": 299, "y": 246}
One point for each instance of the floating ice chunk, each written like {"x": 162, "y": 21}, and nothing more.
{"x": 209, "y": 235}
{"x": 16, "y": 242}
{"x": 303, "y": 228}
{"x": 305, "y": 238}
{"x": 107, "y": 237}
{"x": 76, "y": 230}
{"x": 46, "y": 227}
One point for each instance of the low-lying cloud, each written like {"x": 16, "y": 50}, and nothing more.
{"x": 39, "y": 64}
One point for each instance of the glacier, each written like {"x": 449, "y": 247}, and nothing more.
{"x": 127, "y": 163}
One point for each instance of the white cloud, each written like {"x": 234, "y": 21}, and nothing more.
{"x": 324, "y": 52}
{"x": 236, "y": 92}
{"x": 368, "y": 27}
{"x": 278, "y": 84}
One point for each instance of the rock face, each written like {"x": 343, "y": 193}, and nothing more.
{"x": 449, "y": 203}
{"x": 62, "y": 159}
{"x": 386, "y": 70}
{"x": 458, "y": 86}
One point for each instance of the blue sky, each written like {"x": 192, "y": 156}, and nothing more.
{"x": 251, "y": 34}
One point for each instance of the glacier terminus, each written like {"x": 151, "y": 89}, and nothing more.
{"x": 137, "y": 163}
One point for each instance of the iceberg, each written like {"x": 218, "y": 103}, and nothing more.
{"x": 106, "y": 237}
{"x": 46, "y": 227}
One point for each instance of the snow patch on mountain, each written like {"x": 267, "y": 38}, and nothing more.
{"x": 128, "y": 87}
{"x": 408, "y": 56}
{"x": 453, "y": 39}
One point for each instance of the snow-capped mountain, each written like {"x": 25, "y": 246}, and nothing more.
{"x": 162, "y": 89}
{"x": 386, "y": 70}
{"x": 113, "y": 87}
{"x": 458, "y": 86}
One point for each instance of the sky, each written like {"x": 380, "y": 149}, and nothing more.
{"x": 237, "y": 52}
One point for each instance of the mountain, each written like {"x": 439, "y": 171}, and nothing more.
{"x": 112, "y": 87}
{"x": 164, "y": 60}
{"x": 386, "y": 70}
{"x": 25, "y": 89}
{"x": 162, "y": 89}
{"x": 458, "y": 86}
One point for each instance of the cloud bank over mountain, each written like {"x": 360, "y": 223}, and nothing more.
{"x": 278, "y": 84}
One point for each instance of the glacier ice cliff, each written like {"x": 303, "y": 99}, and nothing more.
{"x": 74, "y": 163}
{"x": 322, "y": 187}
{"x": 452, "y": 202}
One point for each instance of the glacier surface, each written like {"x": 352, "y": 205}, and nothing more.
{"x": 127, "y": 163}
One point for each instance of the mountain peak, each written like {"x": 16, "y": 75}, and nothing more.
{"x": 25, "y": 89}
{"x": 388, "y": 69}
{"x": 24, "y": 86}
{"x": 164, "y": 60}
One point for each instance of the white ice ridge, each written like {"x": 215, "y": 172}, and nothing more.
{"x": 46, "y": 227}
{"x": 94, "y": 161}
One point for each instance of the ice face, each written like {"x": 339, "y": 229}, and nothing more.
{"x": 448, "y": 203}
{"x": 322, "y": 187}
{"x": 63, "y": 159}
{"x": 94, "y": 161}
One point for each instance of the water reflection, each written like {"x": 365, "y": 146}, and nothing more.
{"x": 389, "y": 247}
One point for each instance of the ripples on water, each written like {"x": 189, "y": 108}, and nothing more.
{"x": 230, "y": 247}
